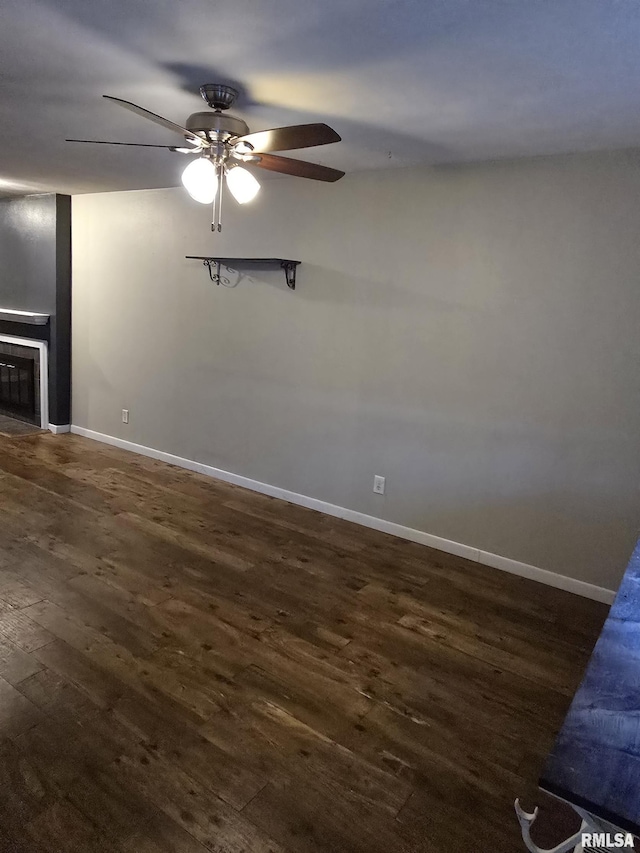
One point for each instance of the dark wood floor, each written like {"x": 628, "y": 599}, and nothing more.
{"x": 189, "y": 666}
{"x": 10, "y": 427}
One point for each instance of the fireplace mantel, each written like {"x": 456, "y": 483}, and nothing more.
{"x": 30, "y": 317}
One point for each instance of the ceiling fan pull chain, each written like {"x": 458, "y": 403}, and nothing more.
{"x": 216, "y": 225}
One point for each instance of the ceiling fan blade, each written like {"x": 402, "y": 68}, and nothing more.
{"x": 297, "y": 168}
{"x": 288, "y": 138}
{"x": 175, "y": 148}
{"x": 137, "y": 144}
{"x": 163, "y": 122}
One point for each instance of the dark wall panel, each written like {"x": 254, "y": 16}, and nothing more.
{"x": 35, "y": 275}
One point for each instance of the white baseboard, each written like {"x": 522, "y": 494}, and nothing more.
{"x": 495, "y": 561}
{"x": 56, "y": 429}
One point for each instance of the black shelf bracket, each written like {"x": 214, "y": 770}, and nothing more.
{"x": 285, "y": 264}
{"x": 289, "y": 268}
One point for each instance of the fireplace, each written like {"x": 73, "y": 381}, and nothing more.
{"x": 18, "y": 387}
{"x": 23, "y": 380}
{"x": 35, "y": 295}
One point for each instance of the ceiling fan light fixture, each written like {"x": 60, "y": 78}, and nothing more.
{"x": 242, "y": 184}
{"x": 243, "y": 147}
{"x": 200, "y": 180}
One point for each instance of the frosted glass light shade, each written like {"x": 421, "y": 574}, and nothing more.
{"x": 242, "y": 185}
{"x": 200, "y": 180}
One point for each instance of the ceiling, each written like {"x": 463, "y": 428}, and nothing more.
{"x": 403, "y": 81}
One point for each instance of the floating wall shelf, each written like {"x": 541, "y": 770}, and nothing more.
{"x": 287, "y": 265}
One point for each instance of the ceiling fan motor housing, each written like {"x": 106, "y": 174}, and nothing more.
{"x": 216, "y": 126}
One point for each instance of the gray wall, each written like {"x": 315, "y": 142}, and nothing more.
{"x": 35, "y": 275}
{"x": 471, "y": 333}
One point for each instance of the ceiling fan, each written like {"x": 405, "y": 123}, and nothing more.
{"x": 222, "y": 142}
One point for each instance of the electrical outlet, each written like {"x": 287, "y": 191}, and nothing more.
{"x": 125, "y": 416}
{"x": 378, "y": 484}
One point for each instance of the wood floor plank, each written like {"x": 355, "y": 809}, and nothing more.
{"x": 162, "y": 835}
{"x": 211, "y": 821}
{"x": 63, "y": 827}
{"x": 24, "y": 794}
{"x": 15, "y": 593}
{"x": 16, "y": 664}
{"x": 92, "y": 604}
{"x": 98, "y": 686}
{"x": 305, "y": 752}
{"x": 119, "y": 664}
{"x": 313, "y": 814}
{"x": 17, "y": 713}
{"x": 214, "y": 765}
{"x": 111, "y": 808}
{"x": 19, "y": 629}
